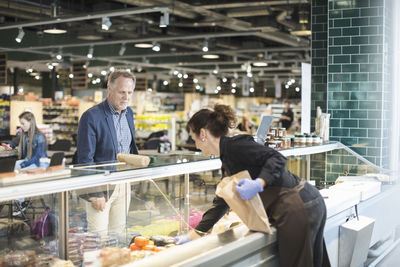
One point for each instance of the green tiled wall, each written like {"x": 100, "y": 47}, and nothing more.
{"x": 319, "y": 53}
{"x": 357, "y": 74}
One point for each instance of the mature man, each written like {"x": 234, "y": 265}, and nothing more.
{"x": 104, "y": 131}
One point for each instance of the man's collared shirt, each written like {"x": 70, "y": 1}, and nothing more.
{"x": 124, "y": 136}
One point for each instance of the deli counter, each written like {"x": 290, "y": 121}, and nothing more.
{"x": 168, "y": 198}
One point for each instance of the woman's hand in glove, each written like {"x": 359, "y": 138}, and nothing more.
{"x": 248, "y": 188}
{"x": 182, "y": 239}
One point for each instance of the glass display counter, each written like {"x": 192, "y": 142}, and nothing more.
{"x": 166, "y": 198}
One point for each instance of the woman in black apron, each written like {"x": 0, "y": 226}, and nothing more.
{"x": 294, "y": 207}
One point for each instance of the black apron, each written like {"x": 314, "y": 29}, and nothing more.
{"x": 286, "y": 211}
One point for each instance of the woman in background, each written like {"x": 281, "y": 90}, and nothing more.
{"x": 294, "y": 207}
{"x": 31, "y": 143}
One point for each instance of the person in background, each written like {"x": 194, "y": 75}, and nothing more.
{"x": 31, "y": 143}
{"x": 287, "y": 116}
{"x": 104, "y": 131}
{"x": 245, "y": 125}
{"x": 294, "y": 207}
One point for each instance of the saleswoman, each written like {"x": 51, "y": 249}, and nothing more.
{"x": 294, "y": 207}
{"x": 31, "y": 145}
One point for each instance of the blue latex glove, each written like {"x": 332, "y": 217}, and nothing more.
{"x": 248, "y": 188}
{"x": 182, "y": 239}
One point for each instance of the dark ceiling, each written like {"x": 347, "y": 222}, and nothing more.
{"x": 239, "y": 32}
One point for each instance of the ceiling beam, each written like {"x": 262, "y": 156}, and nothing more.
{"x": 260, "y": 3}
{"x": 141, "y": 40}
{"x": 94, "y": 15}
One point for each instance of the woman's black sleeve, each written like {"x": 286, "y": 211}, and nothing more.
{"x": 212, "y": 215}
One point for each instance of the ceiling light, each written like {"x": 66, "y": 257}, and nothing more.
{"x": 210, "y": 56}
{"x": 165, "y": 82}
{"x": 185, "y": 76}
{"x": 20, "y": 35}
{"x": 55, "y": 31}
{"x": 224, "y": 80}
{"x": 219, "y": 88}
{"x": 233, "y": 90}
{"x": 287, "y": 86}
{"x": 90, "y": 52}
{"x": 292, "y": 80}
{"x": 205, "y": 46}
{"x": 301, "y": 33}
{"x": 260, "y": 64}
{"x": 59, "y": 54}
{"x": 164, "y": 19}
{"x": 297, "y": 89}
{"x": 30, "y": 70}
{"x": 143, "y": 45}
{"x": 216, "y": 91}
{"x": 111, "y": 68}
{"x": 180, "y": 75}
{"x": 50, "y": 67}
{"x": 71, "y": 75}
{"x": 197, "y": 87}
{"x": 58, "y": 76}
{"x": 249, "y": 74}
{"x": 37, "y": 77}
{"x": 233, "y": 85}
{"x": 176, "y": 72}
{"x": 216, "y": 70}
{"x": 103, "y": 72}
{"x": 251, "y": 90}
{"x": 105, "y": 23}
{"x": 180, "y": 84}
{"x": 150, "y": 89}
{"x": 156, "y": 46}
{"x": 195, "y": 80}
{"x": 122, "y": 50}
{"x": 90, "y": 75}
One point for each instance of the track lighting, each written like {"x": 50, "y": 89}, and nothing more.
{"x": 90, "y": 52}
{"x": 59, "y": 54}
{"x": 122, "y": 50}
{"x": 164, "y": 19}
{"x": 20, "y": 35}
{"x": 156, "y": 46}
{"x": 205, "y": 46}
{"x": 105, "y": 23}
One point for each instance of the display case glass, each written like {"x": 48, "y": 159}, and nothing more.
{"x": 166, "y": 198}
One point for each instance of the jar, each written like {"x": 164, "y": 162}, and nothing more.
{"x": 309, "y": 140}
{"x": 316, "y": 139}
{"x": 283, "y": 144}
{"x": 275, "y": 144}
{"x": 281, "y": 132}
{"x": 299, "y": 140}
{"x": 274, "y": 131}
{"x": 288, "y": 142}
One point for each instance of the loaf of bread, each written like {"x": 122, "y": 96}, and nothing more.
{"x": 134, "y": 160}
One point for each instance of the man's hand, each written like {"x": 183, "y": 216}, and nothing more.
{"x": 98, "y": 203}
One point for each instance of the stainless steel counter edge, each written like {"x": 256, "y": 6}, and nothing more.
{"x": 74, "y": 183}
{"x": 80, "y": 182}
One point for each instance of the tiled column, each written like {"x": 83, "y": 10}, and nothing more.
{"x": 358, "y": 96}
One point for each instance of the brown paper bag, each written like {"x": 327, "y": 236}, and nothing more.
{"x": 252, "y": 211}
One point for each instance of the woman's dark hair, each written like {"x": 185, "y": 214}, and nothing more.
{"x": 217, "y": 121}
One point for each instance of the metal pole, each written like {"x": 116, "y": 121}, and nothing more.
{"x": 308, "y": 171}
{"x": 63, "y": 226}
{"x": 186, "y": 202}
